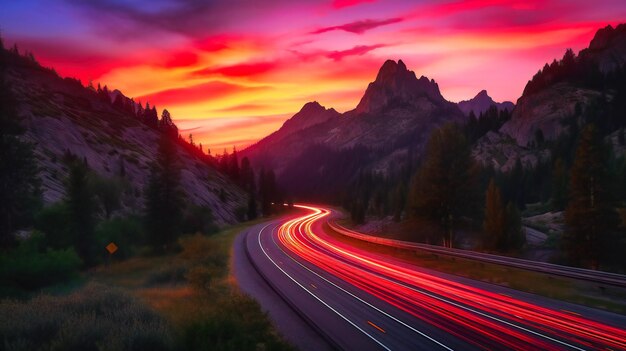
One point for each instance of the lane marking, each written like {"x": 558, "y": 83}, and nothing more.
{"x": 316, "y": 297}
{"x": 484, "y": 314}
{"x": 377, "y": 327}
{"x": 363, "y": 301}
{"x": 313, "y": 286}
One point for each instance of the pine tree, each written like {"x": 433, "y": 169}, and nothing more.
{"x": 247, "y": 175}
{"x": 443, "y": 188}
{"x": 81, "y": 204}
{"x": 590, "y": 217}
{"x": 559, "y": 185}
{"x": 19, "y": 183}
{"x": 223, "y": 163}
{"x": 233, "y": 166}
{"x": 494, "y": 225}
{"x": 166, "y": 124}
{"x": 252, "y": 208}
{"x": 164, "y": 197}
{"x": 267, "y": 191}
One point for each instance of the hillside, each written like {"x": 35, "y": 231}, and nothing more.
{"x": 575, "y": 86}
{"x": 64, "y": 119}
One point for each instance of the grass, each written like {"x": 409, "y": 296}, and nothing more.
{"x": 213, "y": 315}
{"x": 183, "y": 301}
{"x": 581, "y": 292}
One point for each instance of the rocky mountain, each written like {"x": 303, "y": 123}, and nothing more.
{"x": 395, "y": 114}
{"x": 570, "y": 87}
{"x": 64, "y": 119}
{"x": 481, "y": 103}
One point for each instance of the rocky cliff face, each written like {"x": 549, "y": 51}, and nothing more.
{"x": 546, "y": 108}
{"x": 394, "y": 86}
{"x": 397, "y": 111}
{"x": 64, "y": 118}
{"x": 481, "y": 103}
{"x": 544, "y": 111}
{"x": 608, "y": 48}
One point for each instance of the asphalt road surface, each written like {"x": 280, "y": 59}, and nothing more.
{"x": 358, "y": 300}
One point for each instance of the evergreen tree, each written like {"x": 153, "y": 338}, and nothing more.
{"x": 166, "y": 124}
{"x": 494, "y": 225}
{"x": 19, "y": 184}
{"x": 443, "y": 188}
{"x": 233, "y": 166}
{"x": 164, "y": 197}
{"x": 267, "y": 191}
{"x": 81, "y": 205}
{"x": 223, "y": 163}
{"x": 252, "y": 207}
{"x": 590, "y": 217}
{"x": 247, "y": 175}
{"x": 559, "y": 185}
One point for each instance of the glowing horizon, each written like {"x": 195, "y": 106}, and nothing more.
{"x": 231, "y": 73}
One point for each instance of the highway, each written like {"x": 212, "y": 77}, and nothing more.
{"x": 358, "y": 300}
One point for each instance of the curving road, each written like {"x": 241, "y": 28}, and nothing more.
{"x": 358, "y": 300}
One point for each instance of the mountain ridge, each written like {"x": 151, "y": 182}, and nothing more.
{"x": 481, "y": 103}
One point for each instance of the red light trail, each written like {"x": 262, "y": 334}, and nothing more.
{"x": 484, "y": 318}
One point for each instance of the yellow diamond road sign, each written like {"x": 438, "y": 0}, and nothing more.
{"x": 111, "y": 248}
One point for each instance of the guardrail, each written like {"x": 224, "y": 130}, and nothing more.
{"x": 605, "y": 278}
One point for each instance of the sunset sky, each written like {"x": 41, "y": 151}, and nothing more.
{"x": 231, "y": 72}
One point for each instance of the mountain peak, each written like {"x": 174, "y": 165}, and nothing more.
{"x": 312, "y": 107}
{"x": 395, "y": 83}
{"x": 310, "y": 114}
{"x": 481, "y": 103}
{"x": 482, "y": 94}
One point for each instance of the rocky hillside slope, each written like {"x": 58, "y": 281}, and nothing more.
{"x": 553, "y": 94}
{"x": 64, "y": 118}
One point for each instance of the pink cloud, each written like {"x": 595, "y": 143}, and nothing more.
{"x": 355, "y": 51}
{"x": 359, "y": 27}
{"x": 239, "y": 70}
{"x": 196, "y": 93}
{"x": 339, "y": 4}
{"x": 181, "y": 59}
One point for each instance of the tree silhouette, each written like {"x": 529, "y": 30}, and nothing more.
{"x": 494, "y": 225}
{"x": 444, "y": 188}
{"x": 164, "y": 197}
{"x": 81, "y": 204}
{"x": 590, "y": 217}
{"x": 19, "y": 183}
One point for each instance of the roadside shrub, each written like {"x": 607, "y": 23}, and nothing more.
{"x": 199, "y": 219}
{"x": 205, "y": 259}
{"x": 29, "y": 266}
{"x": 126, "y": 233}
{"x": 170, "y": 275}
{"x": 54, "y": 221}
{"x": 94, "y": 318}
{"x": 238, "y": 323}
{"x": 201, "y": 250}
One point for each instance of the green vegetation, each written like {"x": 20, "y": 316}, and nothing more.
{"x": 590, "y": 217}
{"x": 19, "y": 186}
{"x": 164, "y": 198}
{"x": 95, "y": 317}
{"x": 444, "y": 187}
{"x": 502, "y": 226}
